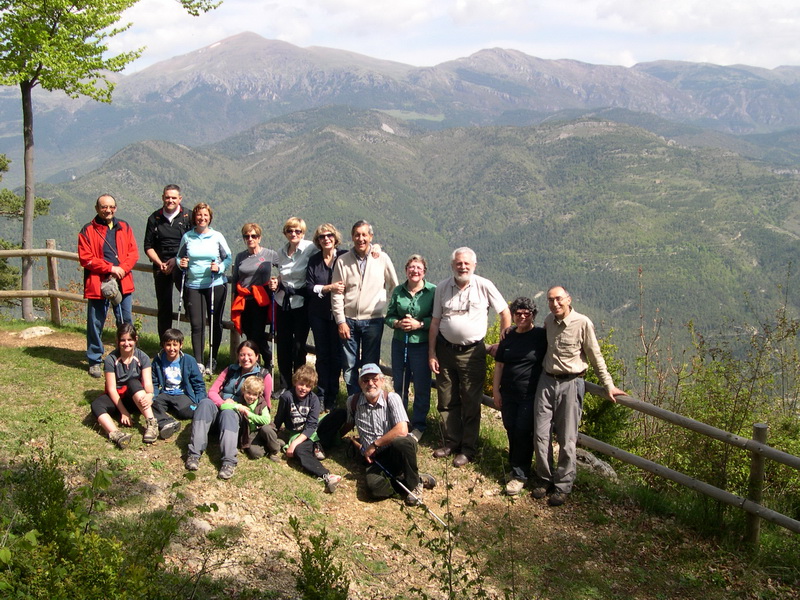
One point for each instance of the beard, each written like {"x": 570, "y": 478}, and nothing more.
{"x": 462, "y": 279}
{"x": 372, "y": 394}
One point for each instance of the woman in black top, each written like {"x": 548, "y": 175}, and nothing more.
{"x": 516, "y": 374}
{"x": 319, "y": 289}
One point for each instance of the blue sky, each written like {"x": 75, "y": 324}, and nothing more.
{"x": 427, "y": 32}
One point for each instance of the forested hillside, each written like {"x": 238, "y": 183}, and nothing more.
{"x": 585, "y": 203}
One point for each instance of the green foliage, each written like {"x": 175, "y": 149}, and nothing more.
{"x": 602, "y": 419}
{"x": 321, "y": 576}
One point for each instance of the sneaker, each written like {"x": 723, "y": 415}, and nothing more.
{"x": 96, "y": 371}
{"x": 150, "y": 432}
{"x": 514, "y": 487}
{"x": 192, "y": 462}
{"x": 539, "y": 492}
{"x": 417, "y": 434}
{"x": 202, "y": 368}
{"x": 170, "y": 429}
{"x": 427, "y": 480}
{"x": 415, "y": 497}
{"x": 120, "y": 438}
{"x": 557, "y": 499}
{"x": 227, "y": 471}
{"x": 331, "y": 482}
{"x": 274, "y": 457}
{"x": 319, "y": 454}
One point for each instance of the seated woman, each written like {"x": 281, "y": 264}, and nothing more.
{"x": 299, "y": 410}
{"x": 227, "y": 387}
{"x": 519, "y": 359}
{"x": 129, "y": 388}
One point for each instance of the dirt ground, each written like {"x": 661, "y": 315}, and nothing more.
{"x": 263, "y": 496}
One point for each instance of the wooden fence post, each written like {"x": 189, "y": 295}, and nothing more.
{"x": 52, "y": 284}
{"x": 755, "y": 486}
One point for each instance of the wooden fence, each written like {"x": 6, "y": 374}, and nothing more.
{"x": 757, "y": 447}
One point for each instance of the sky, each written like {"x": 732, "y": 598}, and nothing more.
{"x": 428, "y": 32}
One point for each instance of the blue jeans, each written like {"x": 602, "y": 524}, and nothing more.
{"x": 96, "y": 311}
{"x": 329, "y": 359}
{"x": 364, "y": 346}
{"x": 414, "y": 357}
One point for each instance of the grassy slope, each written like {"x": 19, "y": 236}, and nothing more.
{"x": 600, "y": 545}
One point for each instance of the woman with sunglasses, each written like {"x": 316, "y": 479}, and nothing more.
{"x": 291, "y": 327}
{"x": 251, "y": 309}
{"x": 519, "y": 359}
{"x": 320, "y": 286}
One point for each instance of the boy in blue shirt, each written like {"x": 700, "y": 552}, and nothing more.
{"x": 177, "y": 384}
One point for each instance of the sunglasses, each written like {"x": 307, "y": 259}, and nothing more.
{"x": 295, "y": 231}
{"x": 250, "y": 236}
{"x": 323, "y": 236}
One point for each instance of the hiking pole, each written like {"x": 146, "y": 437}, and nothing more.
{"x": 180, "y": 298}
{"x": 211, "y": 326}
{"x": 274, "y": 335}
{"x": 394, "y": 478}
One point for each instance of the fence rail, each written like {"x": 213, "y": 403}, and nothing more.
{"x": 757, "y": 446}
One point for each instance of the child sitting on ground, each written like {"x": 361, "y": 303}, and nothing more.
{"x": 298, "y": 410}
{"x": 177, "y": 384}
{"x": 258, "y": 438}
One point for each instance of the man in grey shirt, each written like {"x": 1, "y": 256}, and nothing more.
{"x": 558, "y": 406}
{"x": 457, "y": 354}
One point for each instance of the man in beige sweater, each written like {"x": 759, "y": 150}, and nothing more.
{"x": 359, "y": 310}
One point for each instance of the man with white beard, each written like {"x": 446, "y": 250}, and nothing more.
{"x": 389, "y": 450}
{"x": 457, "y": 354}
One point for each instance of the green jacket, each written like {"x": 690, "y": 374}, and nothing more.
{"x": 419, "y": 306}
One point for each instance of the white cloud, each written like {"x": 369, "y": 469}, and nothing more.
{"x": 426, "y": 32}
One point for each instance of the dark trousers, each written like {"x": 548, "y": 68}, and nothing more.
{"x": 180, "y": 404}
{"x": 329, "y": 359}
{"x": 254, "y": 327}
{"x": 460, "y": 384}
{"x": 518, "y": 421}
{"x": 104, "y": 404}
{"x": 198, "y": 305}
{"x": 292, "y": 333}
{"x": 164, "y": 284}
{"x": 400, "y": 459}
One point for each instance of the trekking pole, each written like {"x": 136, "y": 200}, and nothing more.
{"x": 391, "y": 476}
{"x": 180, "y": 299}
{"x": 274, "y": 335}
{"x": 211, "y": 326}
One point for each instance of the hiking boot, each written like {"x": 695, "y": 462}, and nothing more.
{"x": 427, "y": 480}
{"x": 96, "y": 371}
{"x": 557, "y": 499}
{"x": 416, "y": 434}
{"x": 227, "y": 471}
{"x": 319, "y": 454}
{"x": 514, "y": 487}
{"x": 192, "y": 462}
{"x": 170, "y": 429}
{"x": 415, "y": 498}
{"x": 202, "y": 368}
{"x": 539, "y": 492}
{"x": 120, "y": 438}
{"x": 331, "y": 482}
{"x": 150, "y": 432}
{"x": 274, "y": 457}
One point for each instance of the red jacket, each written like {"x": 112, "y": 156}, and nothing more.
{"x": 91, "y": 240}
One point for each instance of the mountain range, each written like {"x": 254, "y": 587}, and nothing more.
{"x": 643, "y": 190}
{"x": 212, "y": 93}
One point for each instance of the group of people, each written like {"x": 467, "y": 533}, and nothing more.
{"x": 345, "y": 298}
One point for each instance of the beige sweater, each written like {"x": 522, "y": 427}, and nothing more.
{"x": 364, "y": 297}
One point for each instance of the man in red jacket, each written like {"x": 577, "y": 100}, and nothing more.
{"x": 106, "y": 250}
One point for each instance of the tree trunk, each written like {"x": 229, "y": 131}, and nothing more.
{"x": 26, "y": 88}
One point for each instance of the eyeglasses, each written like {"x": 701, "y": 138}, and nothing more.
{"x": 323, "y": 236}
{"x": 294, "y": 231}
{"x": 250, "y": 236}
{"x": 101, "y": 207}
{"x": 522, "y": 313}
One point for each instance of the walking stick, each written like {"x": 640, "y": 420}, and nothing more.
{"x": 211, "y": 326}
{"x": 180, "y": 299}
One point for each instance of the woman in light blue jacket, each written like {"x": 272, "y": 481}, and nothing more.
{"x": 204, "y": 256}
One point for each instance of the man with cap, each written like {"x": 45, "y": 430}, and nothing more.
{"x": 388, "y": 448}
